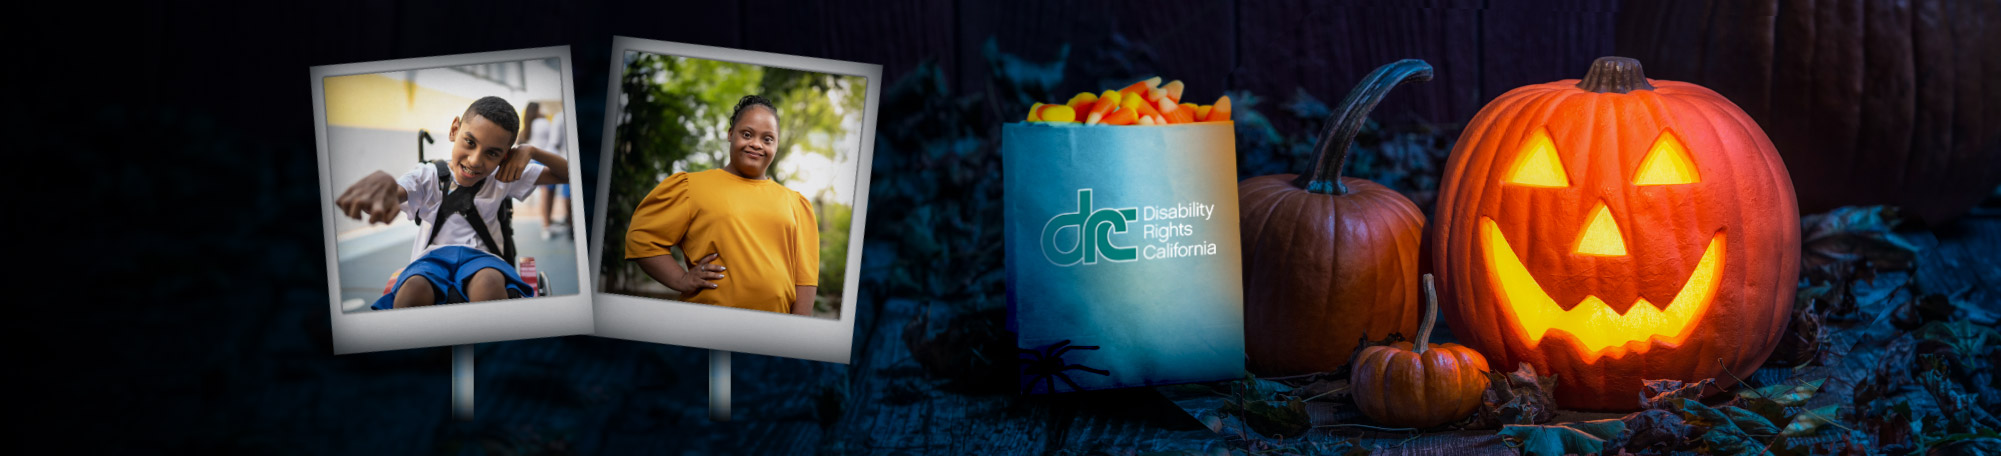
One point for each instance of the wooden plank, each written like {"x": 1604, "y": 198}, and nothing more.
{"x": 1522, "y": 45}
{"x": 1325, "y": 48}
{"x": 705, "y": 23}
{"x": 1668, "y": 37}
{"x": 897, "y": 34}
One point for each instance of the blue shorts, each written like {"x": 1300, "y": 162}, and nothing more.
{"x": 448, "y": 269}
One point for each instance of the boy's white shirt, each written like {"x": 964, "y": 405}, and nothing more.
{"x": 421, "y": 184}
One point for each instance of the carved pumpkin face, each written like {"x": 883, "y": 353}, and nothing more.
{"x": 1614, "y": 237}
{"x": 1575, "y": 302}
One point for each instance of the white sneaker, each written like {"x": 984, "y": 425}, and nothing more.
{"x": 545, "y": 234}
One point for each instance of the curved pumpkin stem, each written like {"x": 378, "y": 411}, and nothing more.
{"x": 1615, "y": 75}
{"x": 1324, "y": 175}
{"x": 1430, "y": 316}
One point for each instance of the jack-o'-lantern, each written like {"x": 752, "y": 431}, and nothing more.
{"x": 1617, "y": 229}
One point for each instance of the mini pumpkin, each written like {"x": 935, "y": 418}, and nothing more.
{"x": 1419, "y": 385}
{"x": 1617, "y": 229}
{"x": 1328, "y": 259}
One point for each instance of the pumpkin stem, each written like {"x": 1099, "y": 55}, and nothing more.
{"x": 1324, "y": 174}
{"x": 1430, "y": 316}
{"x": 1615, "y": 75}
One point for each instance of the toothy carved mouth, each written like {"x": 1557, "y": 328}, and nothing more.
{"x": 1592, "y": 324}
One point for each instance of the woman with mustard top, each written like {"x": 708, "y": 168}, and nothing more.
{"x": 757, "y": 242}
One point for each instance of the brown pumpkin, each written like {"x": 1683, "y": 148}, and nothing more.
{"x": 1419, "y": 385}
{"x": 1328, "y": 259}
{"x": 1869, "y": 101}
{"x": 1615, "y": 230}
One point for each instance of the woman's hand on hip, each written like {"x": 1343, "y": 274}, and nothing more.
{"x": 698, "y": 277}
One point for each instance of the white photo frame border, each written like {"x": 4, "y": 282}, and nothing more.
{"x": 724, "y": 328}
{"x": 464, "y": 323}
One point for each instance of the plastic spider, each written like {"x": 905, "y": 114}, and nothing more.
{"x": 1045, "y": 365}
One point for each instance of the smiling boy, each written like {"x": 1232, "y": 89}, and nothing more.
{"x": 453, "y": 259}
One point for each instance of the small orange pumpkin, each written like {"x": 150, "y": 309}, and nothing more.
{"x": 1419, "y": 386}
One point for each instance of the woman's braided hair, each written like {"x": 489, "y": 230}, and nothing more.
{"x": 748, "y": 101}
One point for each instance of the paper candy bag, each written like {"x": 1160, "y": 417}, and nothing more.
{"x": 1123, "y": 264}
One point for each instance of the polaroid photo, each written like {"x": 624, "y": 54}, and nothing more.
{"x": 734, "y": 193}
{"x": 444, "y": 189}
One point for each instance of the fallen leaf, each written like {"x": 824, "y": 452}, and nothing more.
{"x": 1657, "y": 392}
{"x": 1613, "y": 431}
{"x": 1591, "y": 437}
{"x": 1855, "y": 234}
{"x": 1785, "y": 394}
{"x": 1750, "y": 422}
{"x": 1729, "y": 440}
{"x": 1771, "y": 411}
{"x": 1278, "y": 419}
{"x": 1519, "y": 397}
{"x": 1966, "y": 338}
{"x": 1700, "y": 415}
{"x": 1804, "y": 332}
{"x": 1656, "y": 428}
{"x": 1915, "y": 313}
{"x": 1988, "y": 443}
{"x": 1808, "y": 422}
{"x": 1262, "y": 406}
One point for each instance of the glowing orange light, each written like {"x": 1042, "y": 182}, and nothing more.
{"x": 1538, "y": 165}
{"x": 1592, "y": 324}
{"x": 1667, "y": 163}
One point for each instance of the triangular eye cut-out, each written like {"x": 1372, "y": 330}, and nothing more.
{"x": 1667, "y": 163}
{"x": 1537, "y": 164}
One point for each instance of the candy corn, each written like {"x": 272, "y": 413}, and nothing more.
{"x": 1142, "y": 86}
{"x": 1141, "y": 108}
{"x": 1220, "y": 112}
{"x": 1083, "y": 102}
{"x": 1174, "y": 90}
{"x": 1146, "y": 102}
{"x": 1058, "y": 113}
{"x": 1176, "y": 113}
{"x": 1106, "y": 103}
{"x": 1120, "y": 117}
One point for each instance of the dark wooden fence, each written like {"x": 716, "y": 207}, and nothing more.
{"x": 1271, "y": 48}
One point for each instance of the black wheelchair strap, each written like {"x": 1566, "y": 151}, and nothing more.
{"x": 461, "y": 202}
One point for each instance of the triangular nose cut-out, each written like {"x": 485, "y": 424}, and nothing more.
{"x": 1602, "y": 236}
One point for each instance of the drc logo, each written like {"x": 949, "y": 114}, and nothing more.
{"x": 1094, "y": 234}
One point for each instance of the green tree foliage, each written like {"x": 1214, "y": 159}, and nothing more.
{"x": 674, "y": 117}
{"x": 834, "y": 221}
